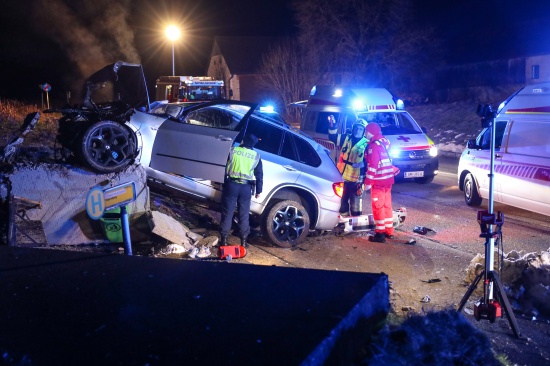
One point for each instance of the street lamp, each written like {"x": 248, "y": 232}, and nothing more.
{"x": 173, "y": 33}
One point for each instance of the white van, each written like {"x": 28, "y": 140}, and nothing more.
{"x": 522, "y": 154}
{"x": 412, "y": 151}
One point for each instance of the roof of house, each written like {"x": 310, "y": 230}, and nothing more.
{"x": 243, "y": 55}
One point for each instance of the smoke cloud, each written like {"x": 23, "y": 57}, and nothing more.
{"x": 92, "y": 33}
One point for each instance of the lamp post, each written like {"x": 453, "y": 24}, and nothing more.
{"x": 173, "y": 33}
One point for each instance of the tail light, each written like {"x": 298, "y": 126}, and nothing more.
{"x": 338, "y": 188}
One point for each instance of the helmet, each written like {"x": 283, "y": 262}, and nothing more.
{"x": 359, "y": 123}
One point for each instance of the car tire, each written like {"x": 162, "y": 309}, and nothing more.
{"x": 108, "y": 146}
{"x": 286, "y": 223}
{"x": 471, "y": 194}
{"x": 424, "y": 180}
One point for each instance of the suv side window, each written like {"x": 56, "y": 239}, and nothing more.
{"x": 306, "y": 152}
{"x": 269, "y": 137}
{"x": 214, "y": 118}
{"x": 288, "y": 148}
{"x": 274, "y": 140}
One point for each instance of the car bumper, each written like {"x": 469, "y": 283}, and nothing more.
{"x": 410, "y": 169}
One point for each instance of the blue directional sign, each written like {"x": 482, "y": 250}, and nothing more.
{"x": 95, "y": 203}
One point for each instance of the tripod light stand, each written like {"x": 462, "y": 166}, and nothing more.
{"x": 490, "y": 224}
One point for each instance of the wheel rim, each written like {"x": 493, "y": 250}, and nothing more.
{"x": 288, "y": 223}
{"x": 468, "y": 189}
{"x": 108, "y": 146}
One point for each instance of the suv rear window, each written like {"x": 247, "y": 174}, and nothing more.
{"x": 275, "y": 140}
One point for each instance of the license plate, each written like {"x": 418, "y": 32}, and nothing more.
{"x": 414, "y": 174}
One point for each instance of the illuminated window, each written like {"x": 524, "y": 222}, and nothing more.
{"x": 535, "y": 72}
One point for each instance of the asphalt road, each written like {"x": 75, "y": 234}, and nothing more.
{"x": 444, "y": 255}
{"x": 447, "y": 251}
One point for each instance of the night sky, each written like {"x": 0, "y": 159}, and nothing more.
{"x": 59, "y": 41}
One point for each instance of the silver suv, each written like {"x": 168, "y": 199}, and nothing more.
{"x": 184, "y": 147}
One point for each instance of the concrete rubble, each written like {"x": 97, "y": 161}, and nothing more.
{"x": 59, "y": 215}
{"x": 62, "y": 191}
{"x": 526, "y": 277}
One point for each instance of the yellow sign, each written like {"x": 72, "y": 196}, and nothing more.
{"x": 120, "y": 195}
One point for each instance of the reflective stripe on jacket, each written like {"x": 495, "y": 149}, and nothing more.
{"x": 379, "y": 166}
{"x": 242, "y": 162}
{"x": 351, "y": 155}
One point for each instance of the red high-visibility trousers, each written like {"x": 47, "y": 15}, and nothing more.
{"x": 381, "y": 209}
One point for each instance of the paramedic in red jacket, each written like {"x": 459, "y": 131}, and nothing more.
{"x": 379, "y": 179}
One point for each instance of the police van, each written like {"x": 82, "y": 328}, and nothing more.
{"x": 412, "y": 151}
{"x": 522, "y": 154}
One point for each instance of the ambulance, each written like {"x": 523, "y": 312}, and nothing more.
{"x": 412, "y": 151}
{"x": 522, "y": 154}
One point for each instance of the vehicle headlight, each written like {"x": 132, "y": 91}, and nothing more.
{"x": 394, "y": 153}
{"x": 433, "y": 151}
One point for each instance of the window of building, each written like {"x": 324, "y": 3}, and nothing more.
{"x": 535, "y": 71}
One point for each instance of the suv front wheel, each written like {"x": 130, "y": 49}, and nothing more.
{"x": 286, "y": 223}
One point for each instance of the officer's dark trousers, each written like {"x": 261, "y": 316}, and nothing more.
{"x": 240, "y": 194}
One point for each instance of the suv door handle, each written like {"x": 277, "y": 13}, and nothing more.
{"x": 224, "y": 138}
{"x": 289, "y": 167}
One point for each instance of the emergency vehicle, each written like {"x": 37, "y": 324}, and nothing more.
{"x": 189, "y": 88}
{"x": 412, "y": 151}
{"x": 522, "y": 154}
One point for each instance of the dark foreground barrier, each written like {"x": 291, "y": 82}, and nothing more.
{"x": 73, "y": 308}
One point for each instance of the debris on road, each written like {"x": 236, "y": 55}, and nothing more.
{"x": 423, "y": 230}
{"x": 426, "y": 299}
{"x": 431, "y": 280}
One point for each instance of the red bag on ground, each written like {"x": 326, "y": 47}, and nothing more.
{"x": 234, "y": 251}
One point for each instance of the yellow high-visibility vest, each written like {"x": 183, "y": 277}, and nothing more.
{"x": 242, "y": 163}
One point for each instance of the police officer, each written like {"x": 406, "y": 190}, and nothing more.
{"x": 350, "y": 164}
{"x": 379, "y": 179}
{"x": 243, "y": 166}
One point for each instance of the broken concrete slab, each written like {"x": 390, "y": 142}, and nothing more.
{"x": 62, "y": 191}
{"x": 170, "y": 229}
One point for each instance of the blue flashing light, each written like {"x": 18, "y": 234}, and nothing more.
{"x": 337, "y": 93}
{"x": 359, "y": 105}
{"x": 267, "y": 109}
{"x": 399, "y": 104}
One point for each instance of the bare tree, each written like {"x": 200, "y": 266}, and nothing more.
{"x": 375, "y": 41}
{"x": 353, "y": 42}
{"x": 289, "y": 73}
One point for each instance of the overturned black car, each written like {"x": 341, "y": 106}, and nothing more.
{"x": 95, "y": 132}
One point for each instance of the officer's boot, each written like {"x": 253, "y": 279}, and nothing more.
{"x": 244, "y": 242}
{"x": 223, "y": 241}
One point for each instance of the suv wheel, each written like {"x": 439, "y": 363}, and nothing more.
{"x": 286, "y": 223}
{"x": 471, "y": 195}
{"x": 108, "y": 146}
